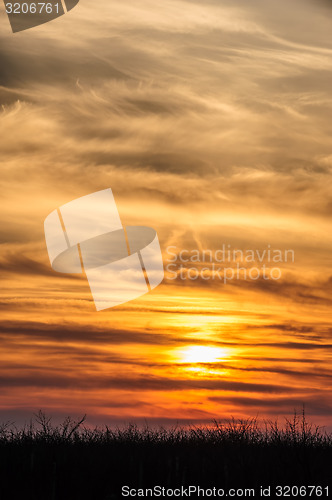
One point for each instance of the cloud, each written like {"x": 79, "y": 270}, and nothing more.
{"x": 211, "y": 123}
{"x": 281, "y": 405}
{"x": 29, "y": 379}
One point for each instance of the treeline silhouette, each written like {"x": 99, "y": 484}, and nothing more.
{"x": 71, "y": 461}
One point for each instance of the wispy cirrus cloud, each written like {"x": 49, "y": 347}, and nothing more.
{"x": 211, "y": 123}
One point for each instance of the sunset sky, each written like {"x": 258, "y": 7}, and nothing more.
{"x": 211, "y": 121}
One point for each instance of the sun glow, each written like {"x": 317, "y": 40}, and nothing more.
{"x": 202, "y": 354}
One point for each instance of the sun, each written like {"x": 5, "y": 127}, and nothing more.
{"x": 202, "y": 354}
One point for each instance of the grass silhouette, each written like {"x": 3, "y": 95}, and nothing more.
{"x": 71, "y": 461}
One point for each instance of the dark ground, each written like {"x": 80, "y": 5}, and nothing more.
{"x": 71, "y": 462}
